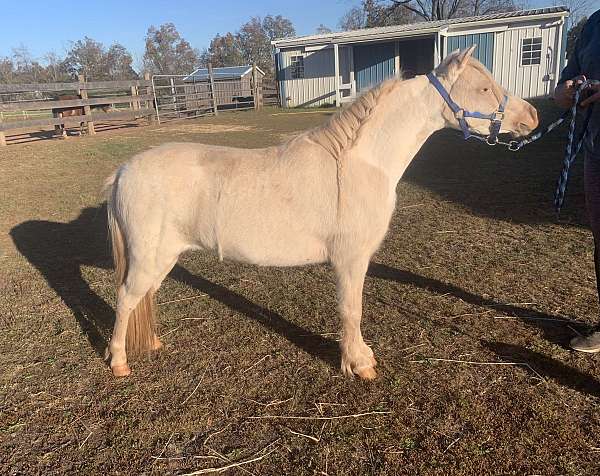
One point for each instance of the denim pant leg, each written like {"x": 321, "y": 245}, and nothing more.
{"x": 592, "y": 202}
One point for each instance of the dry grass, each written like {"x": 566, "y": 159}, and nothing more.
{"x": 474, "y": 238}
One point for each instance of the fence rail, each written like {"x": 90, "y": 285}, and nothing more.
{"x": 162, "y": 97}
{"x": 134, "y": 100}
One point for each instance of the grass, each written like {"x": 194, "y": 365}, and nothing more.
{"x": 474, "y": 238}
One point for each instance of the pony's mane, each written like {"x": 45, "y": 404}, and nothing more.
{"x": 341, "y": 131}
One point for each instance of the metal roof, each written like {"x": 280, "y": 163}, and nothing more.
{"x": 225, "y": 72}
{"x": 419, "y": 28}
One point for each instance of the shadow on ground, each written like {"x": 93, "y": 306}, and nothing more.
{"x": 546, "y": 367}
{"x": 496, "y": 183}
{"x": 59, "y": 250}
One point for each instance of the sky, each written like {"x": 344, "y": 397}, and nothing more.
{"x": 51, "y": 25}
{"x": 45, "y": 26}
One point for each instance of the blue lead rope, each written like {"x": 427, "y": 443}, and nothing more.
{"x": 496, "y": 117}
{"x": 572, "y": 148}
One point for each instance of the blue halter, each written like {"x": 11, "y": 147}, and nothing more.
{"x": 461, "y": 114}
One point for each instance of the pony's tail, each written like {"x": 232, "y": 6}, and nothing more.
{"x": 141, "y": 328}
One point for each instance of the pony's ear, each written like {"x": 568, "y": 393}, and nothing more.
{"x": 463, "y": 57}
{"x": 455, "y": 63}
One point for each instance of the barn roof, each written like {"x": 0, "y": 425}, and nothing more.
{"x": 414, "y": 29}
{"x": 225, "y": 72}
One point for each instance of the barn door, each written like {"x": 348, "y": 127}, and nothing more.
{"x": 373, "y": 63}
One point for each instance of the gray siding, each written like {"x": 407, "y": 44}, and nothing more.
{"x": 374, "y": 63}
{"x": 484, "y": 42}
{"x": 317, "y": 88}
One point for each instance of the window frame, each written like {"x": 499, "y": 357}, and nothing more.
{"x": 297, "y": 66}
{"x": 531, "y": 51}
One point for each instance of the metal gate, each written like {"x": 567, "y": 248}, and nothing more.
{"x": 178, "y": 96}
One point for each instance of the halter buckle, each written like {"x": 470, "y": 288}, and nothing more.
{"x": 514, "y": 146}
{"x": 497, "y": 116}
{"x": 489, "y": 140}
{"x": 460, "y": 114}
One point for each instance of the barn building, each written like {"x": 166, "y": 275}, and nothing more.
{"x": 524, "y": 50}
{"x": 233, "y": 84}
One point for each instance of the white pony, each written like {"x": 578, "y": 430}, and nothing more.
{"x": 324, "y": 196}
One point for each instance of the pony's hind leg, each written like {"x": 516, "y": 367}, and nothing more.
{"x": 357, "y": 357}
{"x": 130, "y": 296}
{"x": 134, "y": 326}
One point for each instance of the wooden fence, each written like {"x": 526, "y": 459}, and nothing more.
{"x": 31, "y": 107}
{"x": 131, "y": 100}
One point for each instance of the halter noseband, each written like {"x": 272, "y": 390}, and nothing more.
{"x": 461, "y": 114}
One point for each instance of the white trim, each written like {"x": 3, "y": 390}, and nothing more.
{"x": 336, "y": 59}
{"x": 558, "y": 56}
{"x": 476, "y": 31}
{"x": 317, "y": 47}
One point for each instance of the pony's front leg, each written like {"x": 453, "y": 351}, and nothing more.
{"x": 357, "y": 357}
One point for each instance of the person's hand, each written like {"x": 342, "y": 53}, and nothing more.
{"x": 594, "y": 95}
{"x": 565, "y": 92}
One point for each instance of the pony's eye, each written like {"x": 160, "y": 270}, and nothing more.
{"x": 485, "y": 90}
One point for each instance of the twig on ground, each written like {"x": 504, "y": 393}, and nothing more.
{"x": 316, "y": 440}
{"x": 471, "y": 362}
{"x": 256, "y": 363}
{"x": 182, "y": 299}
{"x": 413, "y": 347}
{"x": 169, "y": 332}
{"x": 164, "y": 448}
{"x": 270, "y": 404}
{"x": 465, "y": 315}
{"x": 339, "y": 417}
{"x": 216, "y": 433}
{"x": 320, "y": 405}
{"x": 84, "y": 441}
{"x": 232, "y": 465}
{"x": 451, "y": 445}
{"x": 195, "y": 388}
{"x": 531, "y": 318}
{"x": 411, "y": 206}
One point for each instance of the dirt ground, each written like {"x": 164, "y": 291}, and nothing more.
{"x": 469, "y": 306}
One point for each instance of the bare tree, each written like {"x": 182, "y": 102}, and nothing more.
{"x": 167, "y": 52}
{"x": 55, "y": 67}
{"x": 252, "y": 43}
{"x": 119, "y": 62}
{"x": 578, "y": 9}
{"x": 393, "y": 12}
{"x": 223, "y": 51}
{"x": 353, "y": 19}
{"x": 322, "y": 29}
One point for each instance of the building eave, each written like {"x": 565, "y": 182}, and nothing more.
{"x": 370, "y": 34}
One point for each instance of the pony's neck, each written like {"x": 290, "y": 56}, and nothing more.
{"x": 401, "y": 125}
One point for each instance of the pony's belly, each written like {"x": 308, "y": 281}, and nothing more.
{"x": 265, "y": 251}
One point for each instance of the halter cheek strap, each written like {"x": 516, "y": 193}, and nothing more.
{"x": 461, "y": 114}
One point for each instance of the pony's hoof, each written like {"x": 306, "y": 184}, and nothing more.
{"x": 121, "y": 370}
{"x": 367, "y": 373}
{"x": 157, "y": 344}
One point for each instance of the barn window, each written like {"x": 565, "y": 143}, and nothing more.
{"x": 531, "y": 51}
{"x": 297, "y": 67}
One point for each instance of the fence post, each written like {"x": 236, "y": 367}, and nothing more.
{"x": 135, "y": 105}
{"x": 2, "y": 136}
{"x": 212, "y": 89}
{"x": 255, "y": 90}
{"x": 87, "y": 110}
{"x": 150, "y": 103}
